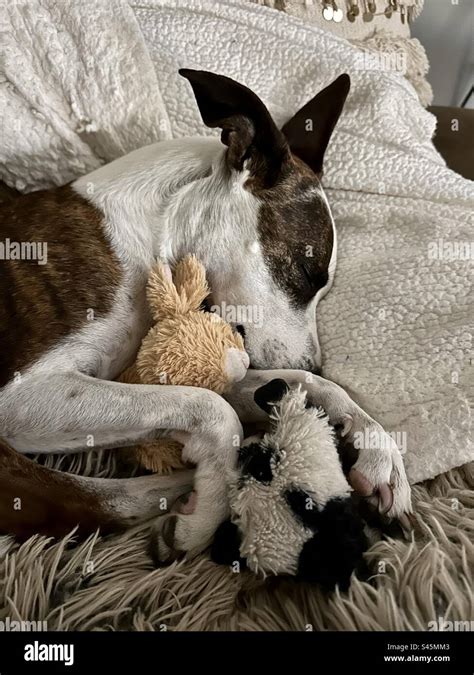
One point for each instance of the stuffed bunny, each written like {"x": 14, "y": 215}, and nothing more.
{"x": 185, "y": 346}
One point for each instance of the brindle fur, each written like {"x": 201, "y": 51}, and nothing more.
{"x": 42, "y": 304}
{"x": 290, "y": 240}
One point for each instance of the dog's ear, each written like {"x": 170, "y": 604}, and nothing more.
{"x": 247, "y": 127}
{"x": 308, "y": 132}
{"x": 270, "y": 394}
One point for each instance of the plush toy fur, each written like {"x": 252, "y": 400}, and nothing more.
{"x": 185, "y": 346}
{"x": 291, "y": 508}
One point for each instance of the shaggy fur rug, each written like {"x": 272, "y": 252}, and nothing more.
{"x": 109, "y": 583}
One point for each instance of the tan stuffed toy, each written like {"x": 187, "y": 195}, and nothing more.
{"x": 186, "y": 346}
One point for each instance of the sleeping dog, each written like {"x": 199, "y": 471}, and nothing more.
{"x": 253, "y": 210}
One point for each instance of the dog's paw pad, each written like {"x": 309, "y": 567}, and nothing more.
{"x": 186, "y": 504}
{"x": 379, "y": 476}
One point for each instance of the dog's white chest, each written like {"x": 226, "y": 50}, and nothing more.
{"x": 104, "y": 346}
{"x": 120, "y": 336}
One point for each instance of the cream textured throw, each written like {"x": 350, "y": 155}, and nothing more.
{"x": 396, "y": 328}
{"x": 77, "y": 89}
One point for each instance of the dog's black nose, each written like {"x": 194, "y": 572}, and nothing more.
{"x": 240, "y": 329}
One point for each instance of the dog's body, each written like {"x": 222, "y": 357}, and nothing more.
{"x": 256, "y": 215}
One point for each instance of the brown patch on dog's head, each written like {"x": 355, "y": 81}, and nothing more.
{"x": 296, "y": 233}
{"x": 295, "y": 225}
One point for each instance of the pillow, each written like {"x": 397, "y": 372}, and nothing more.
{"x": 387, "y": 33}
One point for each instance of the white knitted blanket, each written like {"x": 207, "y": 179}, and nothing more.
{"x": 77, "y": 89}
{"x": 85, "y": 82}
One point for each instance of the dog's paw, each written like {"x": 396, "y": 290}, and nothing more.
{"x": 190, "y": 527}
{"x": 379, "y": 472}
{"x": 177, "y": 536}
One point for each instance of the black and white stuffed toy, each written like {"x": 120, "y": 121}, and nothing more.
{"x": 291, "y": 509}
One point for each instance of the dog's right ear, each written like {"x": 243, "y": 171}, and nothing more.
{"x": 247, "y": 127}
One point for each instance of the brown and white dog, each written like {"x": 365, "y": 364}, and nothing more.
{"x": 255, "y": 213}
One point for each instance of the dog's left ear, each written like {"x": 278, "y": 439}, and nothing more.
{"x": 309, "y": 131}
{"x": 247, "y": 127}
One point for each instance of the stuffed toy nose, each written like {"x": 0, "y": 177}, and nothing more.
{"x": 236, "y": 363}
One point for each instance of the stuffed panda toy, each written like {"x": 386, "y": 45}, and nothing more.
{"x": 291, "y": 507}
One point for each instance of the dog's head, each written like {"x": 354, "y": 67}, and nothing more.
{"x": 283, "y": 257}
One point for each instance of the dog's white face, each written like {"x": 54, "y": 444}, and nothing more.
{"x": 270, "y": 247}
{"x": 280, "y": 264}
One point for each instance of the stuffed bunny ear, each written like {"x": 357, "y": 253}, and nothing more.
{"x": 167, "y": 273}
{"x": 191, "y": 284}
{"x": 163, "y": 298}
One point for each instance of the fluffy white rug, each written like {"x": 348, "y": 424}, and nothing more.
{"x": 110, "y": 583}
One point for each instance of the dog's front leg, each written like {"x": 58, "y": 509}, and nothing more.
{"x": 191, "y": 531}
{"x": 71, "y": 412}
{"x": 379, "y": 472}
